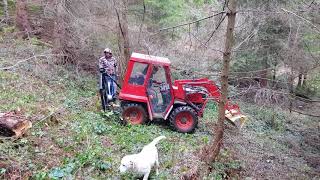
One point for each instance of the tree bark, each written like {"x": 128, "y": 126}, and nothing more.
{"x": 124, "y": 43}
{"x": 299, "y": 80}
{"x": 12, "y": 124}
{"x": 63, "y": 41}
{"x": 59, "y": 32}
{"x": 304, "y": 82}
{"x": 6, "y": 11}
{"x": 229, "y": 41}
{"x": 22, "y": 20}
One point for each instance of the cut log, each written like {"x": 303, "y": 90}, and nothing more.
{"x": 13, "y": 124}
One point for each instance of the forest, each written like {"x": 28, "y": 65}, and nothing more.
{"x": 262, "y": 55}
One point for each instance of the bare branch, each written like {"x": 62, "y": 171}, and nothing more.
{"x": 220, "y": 20}
{"x": 215, "y": 30}
{"x": 308, "y": 21}
{"x": 254, "y": 32}
{"x": 204, "y": 45}
{"x": 192, "y": 22}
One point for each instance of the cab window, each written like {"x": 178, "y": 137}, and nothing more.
{"x": 138, "y": 73}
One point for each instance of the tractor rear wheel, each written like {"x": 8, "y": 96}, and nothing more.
{"x": 184, "y": 119}
{"x": 133, "y": 113}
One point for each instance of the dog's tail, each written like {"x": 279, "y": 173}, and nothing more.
{"x": 156, "y": 140}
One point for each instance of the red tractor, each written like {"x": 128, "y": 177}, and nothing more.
{"x": 148, "y": 92}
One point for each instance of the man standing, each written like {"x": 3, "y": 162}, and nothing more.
{"x": 108, "y": 69}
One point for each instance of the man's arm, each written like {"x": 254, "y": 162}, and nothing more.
{"x": 116, "y": 70}
{"x": 101, "y": 65}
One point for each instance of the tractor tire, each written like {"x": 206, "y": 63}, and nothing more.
{"x": 134, "y": 114}
{"x": 184, "y": 119}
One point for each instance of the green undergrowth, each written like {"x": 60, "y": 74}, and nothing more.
{"x": 226, "y": 167}
{"x": 263, "y": 119}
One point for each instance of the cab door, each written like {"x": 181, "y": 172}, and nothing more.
{"x": 159, "y": 92}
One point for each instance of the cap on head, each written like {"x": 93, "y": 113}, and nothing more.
{"x": 107, "y": 50}
{"x": 155, "y": 68}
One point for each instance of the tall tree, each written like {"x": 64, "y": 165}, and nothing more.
{"x": 121, "y": 9}
{"x": 6, "y": 11}
{"x": 216, "y": 144}
{"x": 22, "y": 20}
{"x": 59, "y": 31}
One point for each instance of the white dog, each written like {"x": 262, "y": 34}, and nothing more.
{"x": 142, "y": 162}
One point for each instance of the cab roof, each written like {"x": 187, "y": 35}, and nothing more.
{"x": 150, "y": 59}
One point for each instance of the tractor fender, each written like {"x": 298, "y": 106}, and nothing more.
{"x": 179, "y": 102}
{"x": 175, "y": 104}
{"x": 168, "y": 113}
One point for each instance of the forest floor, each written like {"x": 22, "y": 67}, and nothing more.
{"x": 289, "y": 150}
{"x": 72, "y": 138}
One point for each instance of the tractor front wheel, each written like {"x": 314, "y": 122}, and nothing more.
{"x": 184, "y": 119}
{"x": 133, "y": 113}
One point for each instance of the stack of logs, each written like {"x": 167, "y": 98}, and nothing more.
{"x": 13, "y": 124}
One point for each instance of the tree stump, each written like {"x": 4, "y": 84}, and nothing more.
{"x": 13, "y": 124}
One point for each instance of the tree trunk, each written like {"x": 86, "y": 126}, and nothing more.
{"x": 63, "y": 42}
{"x": 59, "y": 32}
{"x": 22, "y": 21}
{"x": 6, "y": 11}
{"x": 12, "y": 124}
{"x": 124, "y": 43}
{"x": 216, "y": 145}
{"x": 299, "y": 80}
{"x": 291, "y": 88}
{"x": 304, "y": 82}
{"x": 264, "y": 77}
{"x": 274, "y": 76}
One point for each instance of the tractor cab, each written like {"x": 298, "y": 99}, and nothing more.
{"x": 148, "y": 83}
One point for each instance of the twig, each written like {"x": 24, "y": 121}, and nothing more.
{"x": 48, "y": 116}
{"x": 203, "y": 44}
{"x": 220, "y": 20}
{"x": 215, "y": 30}
{"x": 317, "y": 61}
{"x": 309, "y": 22}
{"x": 246, "y": 39}
{"x": 192, "y": 22}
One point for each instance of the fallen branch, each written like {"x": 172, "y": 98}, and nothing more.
{"x": 25, "y": 60}
{"x": 303, "y": 113}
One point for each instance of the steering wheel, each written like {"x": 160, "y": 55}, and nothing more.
{"x": 164, "y": 87}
